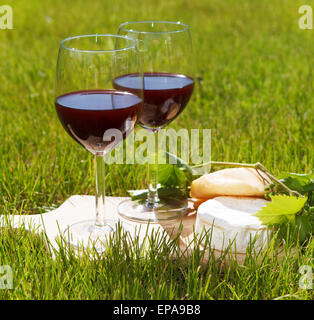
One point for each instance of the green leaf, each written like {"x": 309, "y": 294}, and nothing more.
{"x": 170, "y": 175}
{"x": 183, "y": 166}
{"x": 173, "y": 179}
{"x": 173, "y": 159}
{"x": 304, "y": 225}
{"x": 304, "y": 177}
{"x": 302, "y": 183}
{"x": 282, "y": 209}
{"x": 162, "y": 193}
{"x": 138, "y": 194}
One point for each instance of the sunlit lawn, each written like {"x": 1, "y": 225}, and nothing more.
{"x": 254, "y": 90}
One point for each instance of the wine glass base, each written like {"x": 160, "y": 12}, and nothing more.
{"x": 87, "y": 235}
{"x": 167, "y": 209}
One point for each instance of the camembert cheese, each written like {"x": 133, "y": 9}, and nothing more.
{"x": 230, "y": 221}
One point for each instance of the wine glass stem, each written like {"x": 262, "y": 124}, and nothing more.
{"x": 100, "y": 189}
{"x": 152, "y": 197}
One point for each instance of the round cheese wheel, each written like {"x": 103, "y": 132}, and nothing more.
{"x": 231, "y": 222}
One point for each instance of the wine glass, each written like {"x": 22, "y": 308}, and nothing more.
{"x": 95, "y": 114}
{"x": 167, "y": 56}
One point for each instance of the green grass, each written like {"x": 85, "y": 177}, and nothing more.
{"x": 255, "y": 93}
{"x": 164, "y": 272}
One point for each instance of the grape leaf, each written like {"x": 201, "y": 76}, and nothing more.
{"x": 304, "y": 226}
{"x": 173, "y": 179}
{"x": 162, "y": 192}
{"x": 302, "y": 183}
{"x": 173, "y": 159}
{"x": 304, "y": 178}
{"x": 170, "y": 175}
{"x": 282, "y": 209}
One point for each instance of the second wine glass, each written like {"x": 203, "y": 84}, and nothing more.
{"x": 166, "y": 49}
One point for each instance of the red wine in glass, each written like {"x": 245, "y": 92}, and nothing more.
{"x": 86, "y": 115}
{"x": 165, "y": 96}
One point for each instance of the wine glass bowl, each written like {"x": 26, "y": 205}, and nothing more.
{"x": 86, "y": 120}
{"x": 165, "y": 96}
